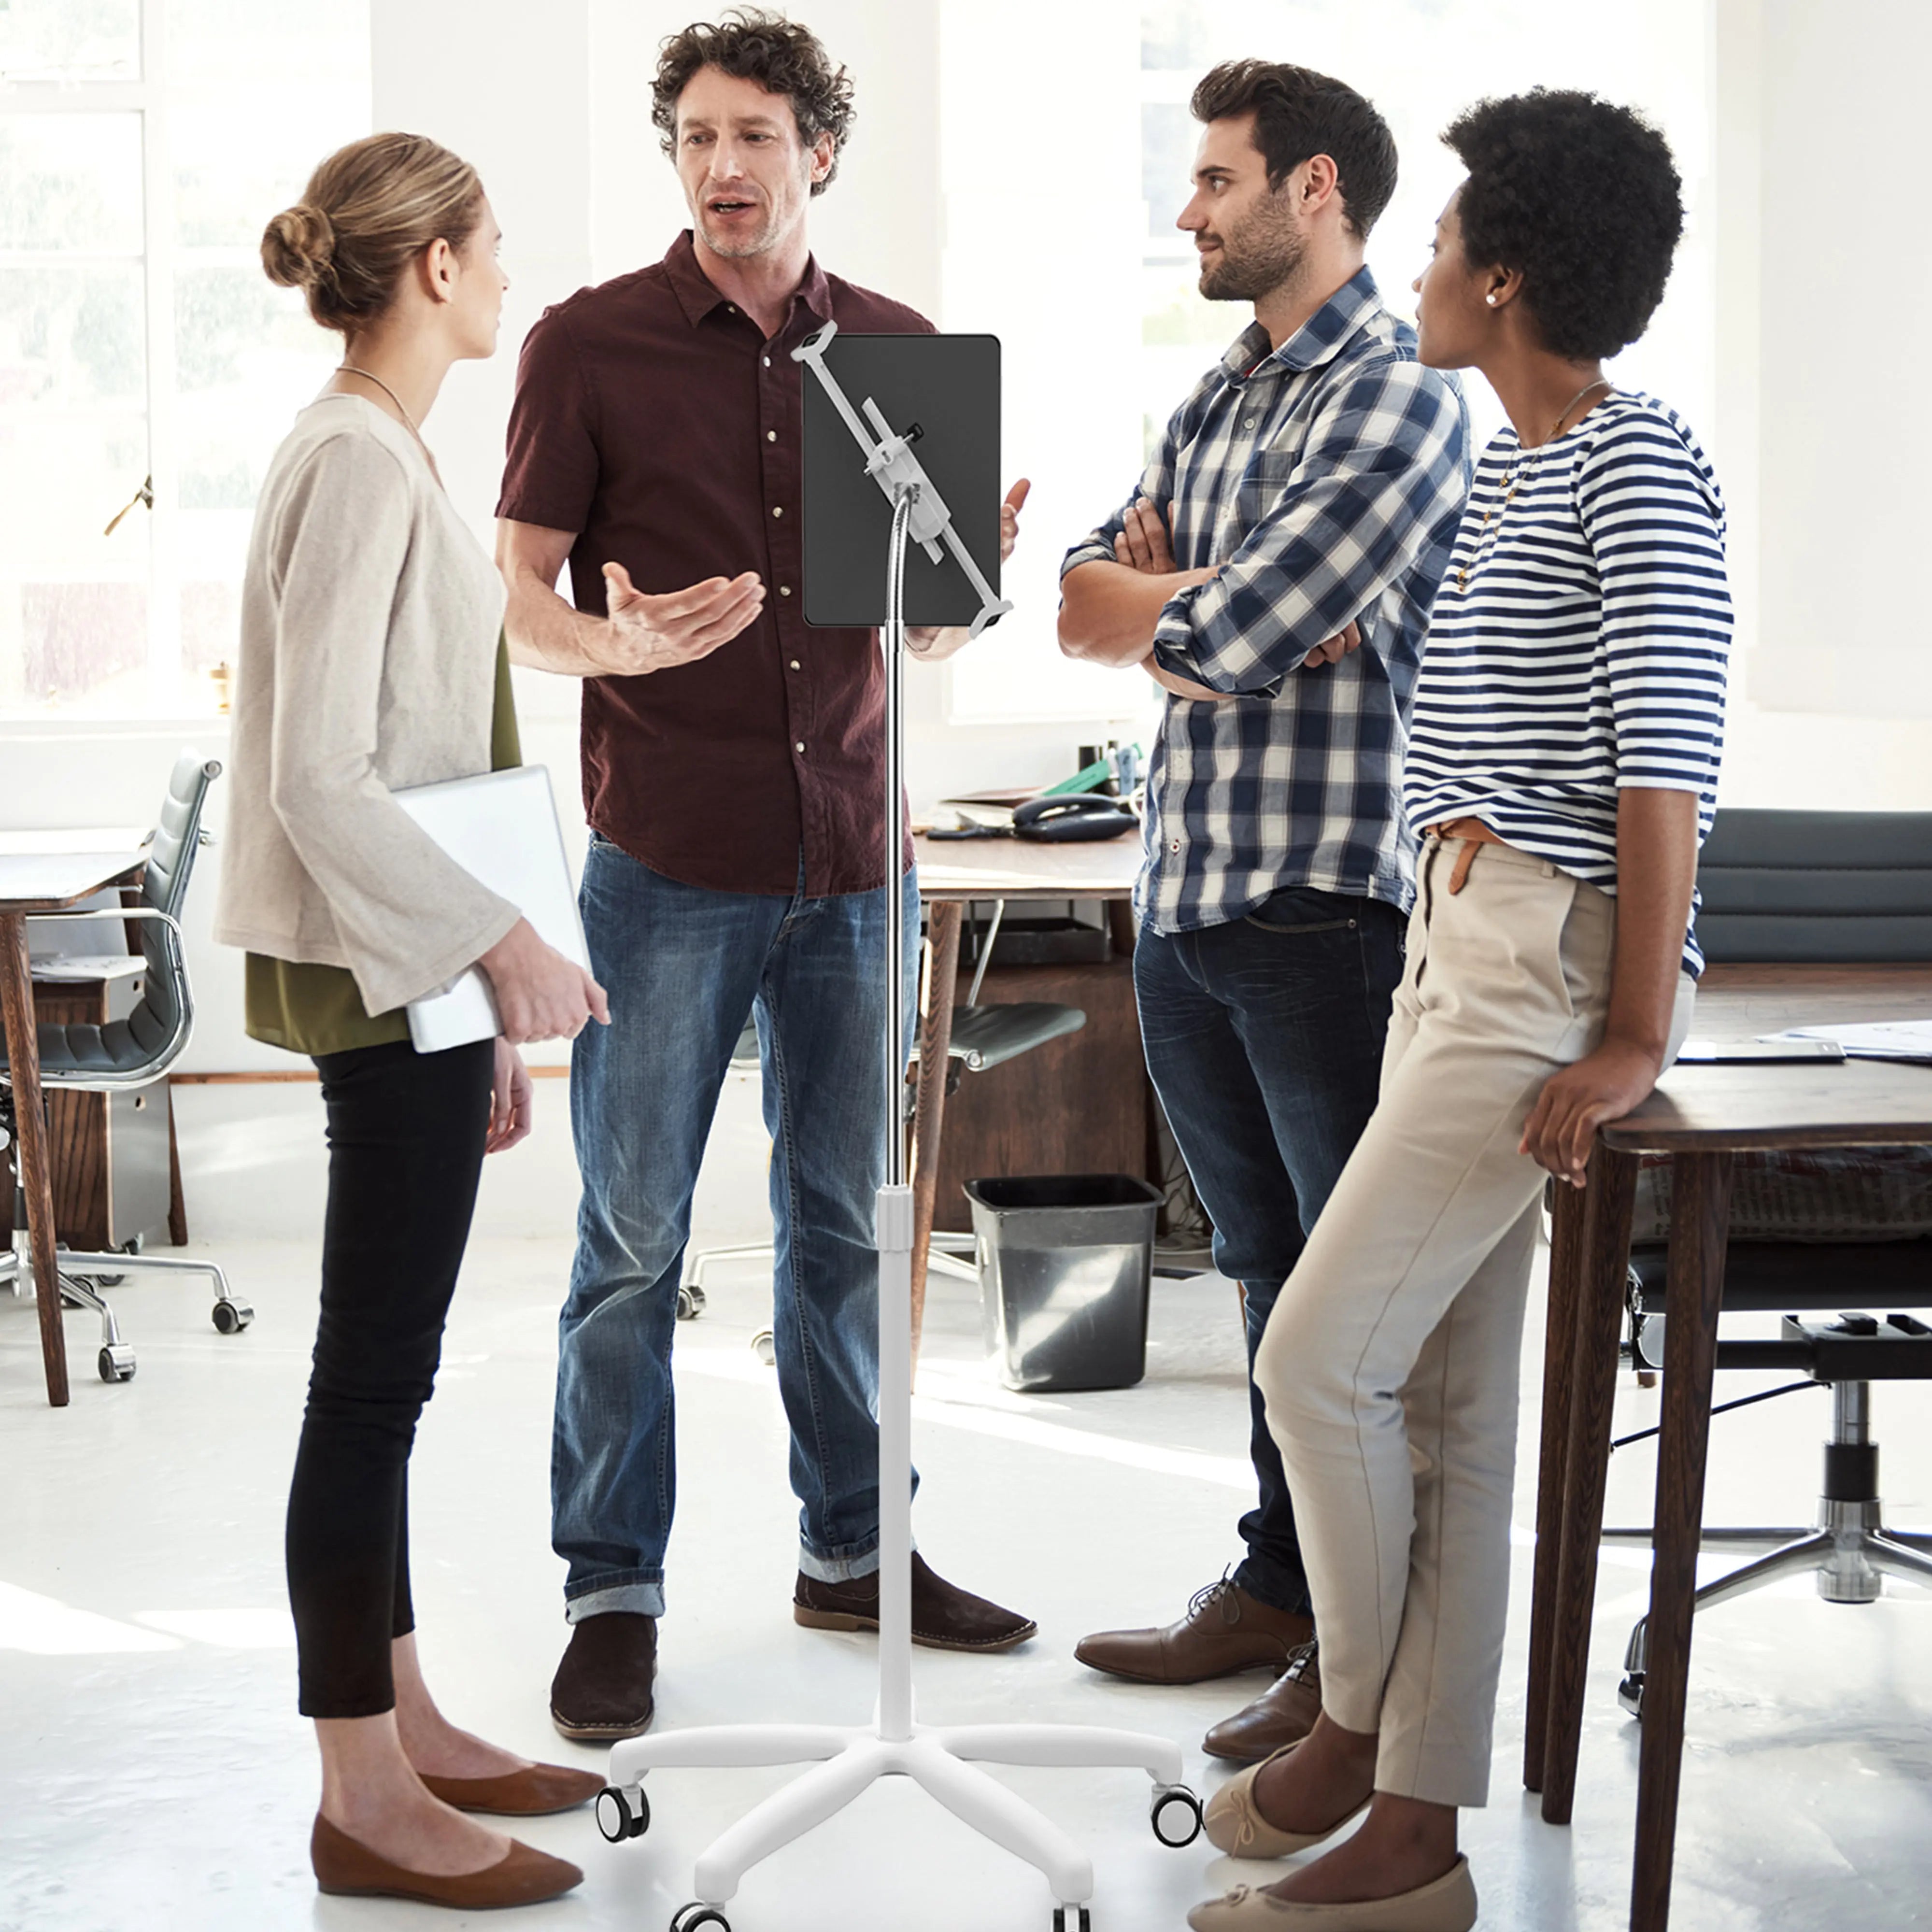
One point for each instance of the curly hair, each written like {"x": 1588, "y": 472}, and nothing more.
{"x": 1582, "y": 198}
{"x": 1299, "y": 113}
{"x": 750, "y": 43}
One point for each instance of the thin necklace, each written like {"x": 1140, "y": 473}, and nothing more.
{"x": 429, "y": 455}
{"x": 368, "y": 376}
{"x": 1492, "y": 519}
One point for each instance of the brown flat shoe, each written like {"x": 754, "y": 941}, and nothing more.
{"x": 944, "y": 1617}
{"x": 602, "y": 1689}
{"x": 1224, "y": 1631}
{"x": 534, "y": 1792}
{"x": 523, "y": 1876}
{"x": 1284, "y": 1714}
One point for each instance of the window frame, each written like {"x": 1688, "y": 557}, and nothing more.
{"x": 146, "y": 96}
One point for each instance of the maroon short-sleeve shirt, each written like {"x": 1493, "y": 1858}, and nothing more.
{"x": 654, "y": 420}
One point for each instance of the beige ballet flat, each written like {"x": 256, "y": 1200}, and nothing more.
{"x": 1446, "y": 1904}
{"x": 1235, "y": 1826}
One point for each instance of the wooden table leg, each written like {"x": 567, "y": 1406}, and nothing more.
{"x": 23, "y": 1073}
{"x": 935, "y": 1049}
{"x": 1559, "y": 1348}
{"x": 1700, "y": 1212}
{"x": 1609, "y": 1201}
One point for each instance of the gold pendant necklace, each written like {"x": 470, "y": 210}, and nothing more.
{"x": 1493, "y": 520}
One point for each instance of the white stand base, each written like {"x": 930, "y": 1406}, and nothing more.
{"x": 846, "y": 1761}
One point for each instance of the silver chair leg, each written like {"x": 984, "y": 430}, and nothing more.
{"x": 1887, "y": 1552}
{"x": 115, "y": 1361}
{"x": 1808, "y": 1554}
{"x": 232, "y": 1314}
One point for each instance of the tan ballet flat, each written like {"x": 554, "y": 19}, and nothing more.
{"x": 348, "y": 1868}
{"x": 1235, "y": 1826}
{"x": 1447, "y": 1904}
{"x": 535, "y": 1792}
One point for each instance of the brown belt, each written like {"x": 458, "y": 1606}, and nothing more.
{"x": 1473, "y": 832}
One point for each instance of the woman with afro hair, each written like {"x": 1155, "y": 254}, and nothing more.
{"x": 1562, "y": 768}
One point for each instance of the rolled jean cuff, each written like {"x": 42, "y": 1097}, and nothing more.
{"x": 644, "y": 1598}
{"x": 845, "y": 1566}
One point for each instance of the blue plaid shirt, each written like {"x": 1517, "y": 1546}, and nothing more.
{"x": 1325, "y": 479}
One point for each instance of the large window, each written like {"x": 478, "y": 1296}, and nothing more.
{"x": 146, "y": 365}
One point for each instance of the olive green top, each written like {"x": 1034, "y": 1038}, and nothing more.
{"x": 316, "y": 1009}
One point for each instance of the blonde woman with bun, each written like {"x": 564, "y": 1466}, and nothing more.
{"x": 371, "y": 661}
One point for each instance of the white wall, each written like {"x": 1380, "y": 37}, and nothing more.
{"x": 1824, "y": 151}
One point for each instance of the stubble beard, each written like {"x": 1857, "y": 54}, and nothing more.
{"x": 1258, "y": 256}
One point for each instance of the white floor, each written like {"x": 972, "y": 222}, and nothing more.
{"x": 153, "y": 1777}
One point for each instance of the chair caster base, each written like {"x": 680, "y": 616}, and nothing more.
{"x": 231, "y": 1317}
{"x": 115, "y": 1363}
{"x": 696, "y": 1915}
{"x": 1175, "y": 1817}
{"x": 622, "y": 1814}
{"x": 1629, "y": 1693}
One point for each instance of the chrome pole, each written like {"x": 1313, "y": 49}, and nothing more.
{"x": 893, "y": 641}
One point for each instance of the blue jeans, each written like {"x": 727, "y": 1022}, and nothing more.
{"x": 684, "y": 968}
{"x": 1264, "y": 1038}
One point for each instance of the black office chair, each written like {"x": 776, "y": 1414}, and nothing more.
{"x": 133, "y": 1052}
{"x": 1811, "y": 1231}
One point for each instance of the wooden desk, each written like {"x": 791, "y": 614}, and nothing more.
{"x": 43, "y": 872}
{"x": 1700, "y": 1116}
{"x": 952, "y": 873}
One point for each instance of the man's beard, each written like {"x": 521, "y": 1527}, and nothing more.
{"x": 741, "y": 247}
{"x": 1258, "y": 256}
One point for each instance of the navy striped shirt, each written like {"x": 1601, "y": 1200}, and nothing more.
{"x": 1324, "y": 479}
{"x": 1578, "y": 644}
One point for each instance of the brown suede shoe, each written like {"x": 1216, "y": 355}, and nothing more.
{"x": 944, "y": 1617}
{"x": 1284, "y": 1714}
{"x": 523, "y": 1876}
{"x": 1224, "y": 1631}
{"x": 602, "y": 1688}
{"x": 535, "y": 1792}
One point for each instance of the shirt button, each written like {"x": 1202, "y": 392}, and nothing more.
{"x": 795, "y": 663}
{"x": 777, "y": 509}
{"x": 1175, "y": 847}
{"x": 766, "y": 360}
{"x": 799, "y": 748}
{"x": 771, "y": 436}
{"x": 785, "y": 589}
{"x": 1247, "y": 422}
{"x": 730, "y": 308}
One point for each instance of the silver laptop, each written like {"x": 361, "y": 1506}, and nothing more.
{"x": 501, "y": 827}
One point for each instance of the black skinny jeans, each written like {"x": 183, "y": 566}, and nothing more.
{"x": 406, "y": 1136}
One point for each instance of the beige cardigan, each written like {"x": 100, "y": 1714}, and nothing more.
{"x": 370, "y": 618}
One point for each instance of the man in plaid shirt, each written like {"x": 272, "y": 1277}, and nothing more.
{"x": 1274, "y": 572}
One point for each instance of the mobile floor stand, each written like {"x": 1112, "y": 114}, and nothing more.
{"x": 955, "y": 379}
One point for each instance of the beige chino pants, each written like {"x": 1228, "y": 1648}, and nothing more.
{"x": 1390, "y": 1364}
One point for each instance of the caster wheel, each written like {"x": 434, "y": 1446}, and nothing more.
{"x": 231, "y": 1317}
{"x": 1175, "y": 1817}
{"x": 1629, "y": 1693}
{"x": 115, "y": 1363}
{"x": 623, "y": 1814}
{"x": 765, "y": 1347}
{"x": 687, "y": 1304}
{"x": 694, "y": 1917}
{"x": 1080, "y": 1922}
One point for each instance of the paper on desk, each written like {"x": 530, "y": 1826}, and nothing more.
{"x": 1875, "y": 1040}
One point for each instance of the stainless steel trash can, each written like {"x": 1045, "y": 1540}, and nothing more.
{"x": 1065, "y": 1261}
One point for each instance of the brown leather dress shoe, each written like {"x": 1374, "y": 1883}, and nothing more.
{"x": 1224, "y": 1631}
{"x": 944, "y": 1616}
{"x": 1284, "y": 1714}
{"x": 523, "y": 1876}
{"x": 602, "y": 1688}
{"x": 535, "y": 1792}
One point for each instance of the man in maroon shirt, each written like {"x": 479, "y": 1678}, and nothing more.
{"x": 731, "y": 777}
